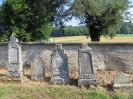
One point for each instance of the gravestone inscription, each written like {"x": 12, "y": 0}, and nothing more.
{"x": 86, "y": 68}
{"x": 59, "y": 65}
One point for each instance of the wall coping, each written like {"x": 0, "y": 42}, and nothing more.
{"x": 71, "y": 43}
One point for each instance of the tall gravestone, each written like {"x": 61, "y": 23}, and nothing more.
{"x": 14, "y": 66}
{"x": 59, "y": 65}
{"x": 86, "y": 68}
{"x": 37, "y": 69}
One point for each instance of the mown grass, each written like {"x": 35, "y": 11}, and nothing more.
{"x": 55, "y": 92}
{"x": 124, "y": 35}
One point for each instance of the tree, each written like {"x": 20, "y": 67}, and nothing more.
{"x": 62, "y": 14}
{"x": 31, "y": 20}
{"x": 102, "y": 17}
{"x": 126, "y": 28}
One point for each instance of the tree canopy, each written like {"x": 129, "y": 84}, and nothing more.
{"x": 102, "y": 17}
{"x": 31, "y": 20}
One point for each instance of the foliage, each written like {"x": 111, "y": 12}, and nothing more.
{"x": 102, "y": 17}
{"x": 31, "y": 20}
{"x": 62, "y": 15}
{"x": 126, "y": 28}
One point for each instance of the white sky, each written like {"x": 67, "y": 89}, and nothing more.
{"x": 131, "y": 10}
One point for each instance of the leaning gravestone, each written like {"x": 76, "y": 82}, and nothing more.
{"x": 122, "y": 80}
{"x": 59, "y": 66}
{"x": 86, "y": 69}
{"x": 14, "y": 66}
{"x": 37, "y": 69}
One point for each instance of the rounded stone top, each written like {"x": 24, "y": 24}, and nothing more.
{"x": 84, "y": 45}
{"x": 58, "y": 46}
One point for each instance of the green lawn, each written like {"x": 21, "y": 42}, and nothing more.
{"x": 124, "y": 35}
{"x": 56, "y": 92}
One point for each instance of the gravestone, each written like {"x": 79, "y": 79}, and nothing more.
{"x": 59, "y": 65}
{"x": 37, "y": 69}
{"x": 122, "y": 80}
{"x": 86, "y": 68}
{"x": 14, "y": 66}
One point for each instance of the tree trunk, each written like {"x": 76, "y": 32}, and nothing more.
{"x": 94, "y": 34}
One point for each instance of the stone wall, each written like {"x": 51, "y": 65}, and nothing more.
{"x": 106, "y": 56}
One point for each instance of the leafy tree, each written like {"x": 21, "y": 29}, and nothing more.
{"x": 102, "y": 17}
{"x": 31, "y": 20}
{"x": 62, "y": 15}
{"x": 126, "y": 28}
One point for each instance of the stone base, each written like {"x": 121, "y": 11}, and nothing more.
{"x": 130, "y": 85}
{"x": 37, "y": 77}
{"x": 11, "y": 79}
{"x": 83, "y": 82}
{"x": 60, "y": 80}
{"x": 14, "y": 74}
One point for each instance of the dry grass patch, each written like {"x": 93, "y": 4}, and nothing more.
{"x": 84, "y": 39}
{"x": 45, "y": 90}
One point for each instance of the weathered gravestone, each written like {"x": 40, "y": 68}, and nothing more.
{"x": 37, "y": 69}
{"x": 86, "y": 69}
{"x": 122, "y": 80}
{"x": 14, "y": 66}
{"x": 59, "y": 66}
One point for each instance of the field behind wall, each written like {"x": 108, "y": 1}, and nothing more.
{"x": 117, "y": 38}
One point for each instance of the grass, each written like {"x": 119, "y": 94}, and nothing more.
{"x": 2, "y": 92}
{"x": 55, "y": 92}
{"x": 124, "y": 35}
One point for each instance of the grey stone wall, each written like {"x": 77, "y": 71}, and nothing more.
{"x": 106, "y": 56}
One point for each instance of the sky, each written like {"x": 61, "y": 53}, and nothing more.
{"x": 75, "y": 22}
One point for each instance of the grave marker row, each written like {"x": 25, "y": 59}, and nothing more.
{"x": 59, "y": 64}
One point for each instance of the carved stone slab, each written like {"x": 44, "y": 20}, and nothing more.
{"x": 86, "y": 68}
{"x": 37, "y": 69}
{"x": 14, "y": 66}
{"x": 122, "y": 80}
{"x": 13, "y": 50}
{"x": 59, "y": 65}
